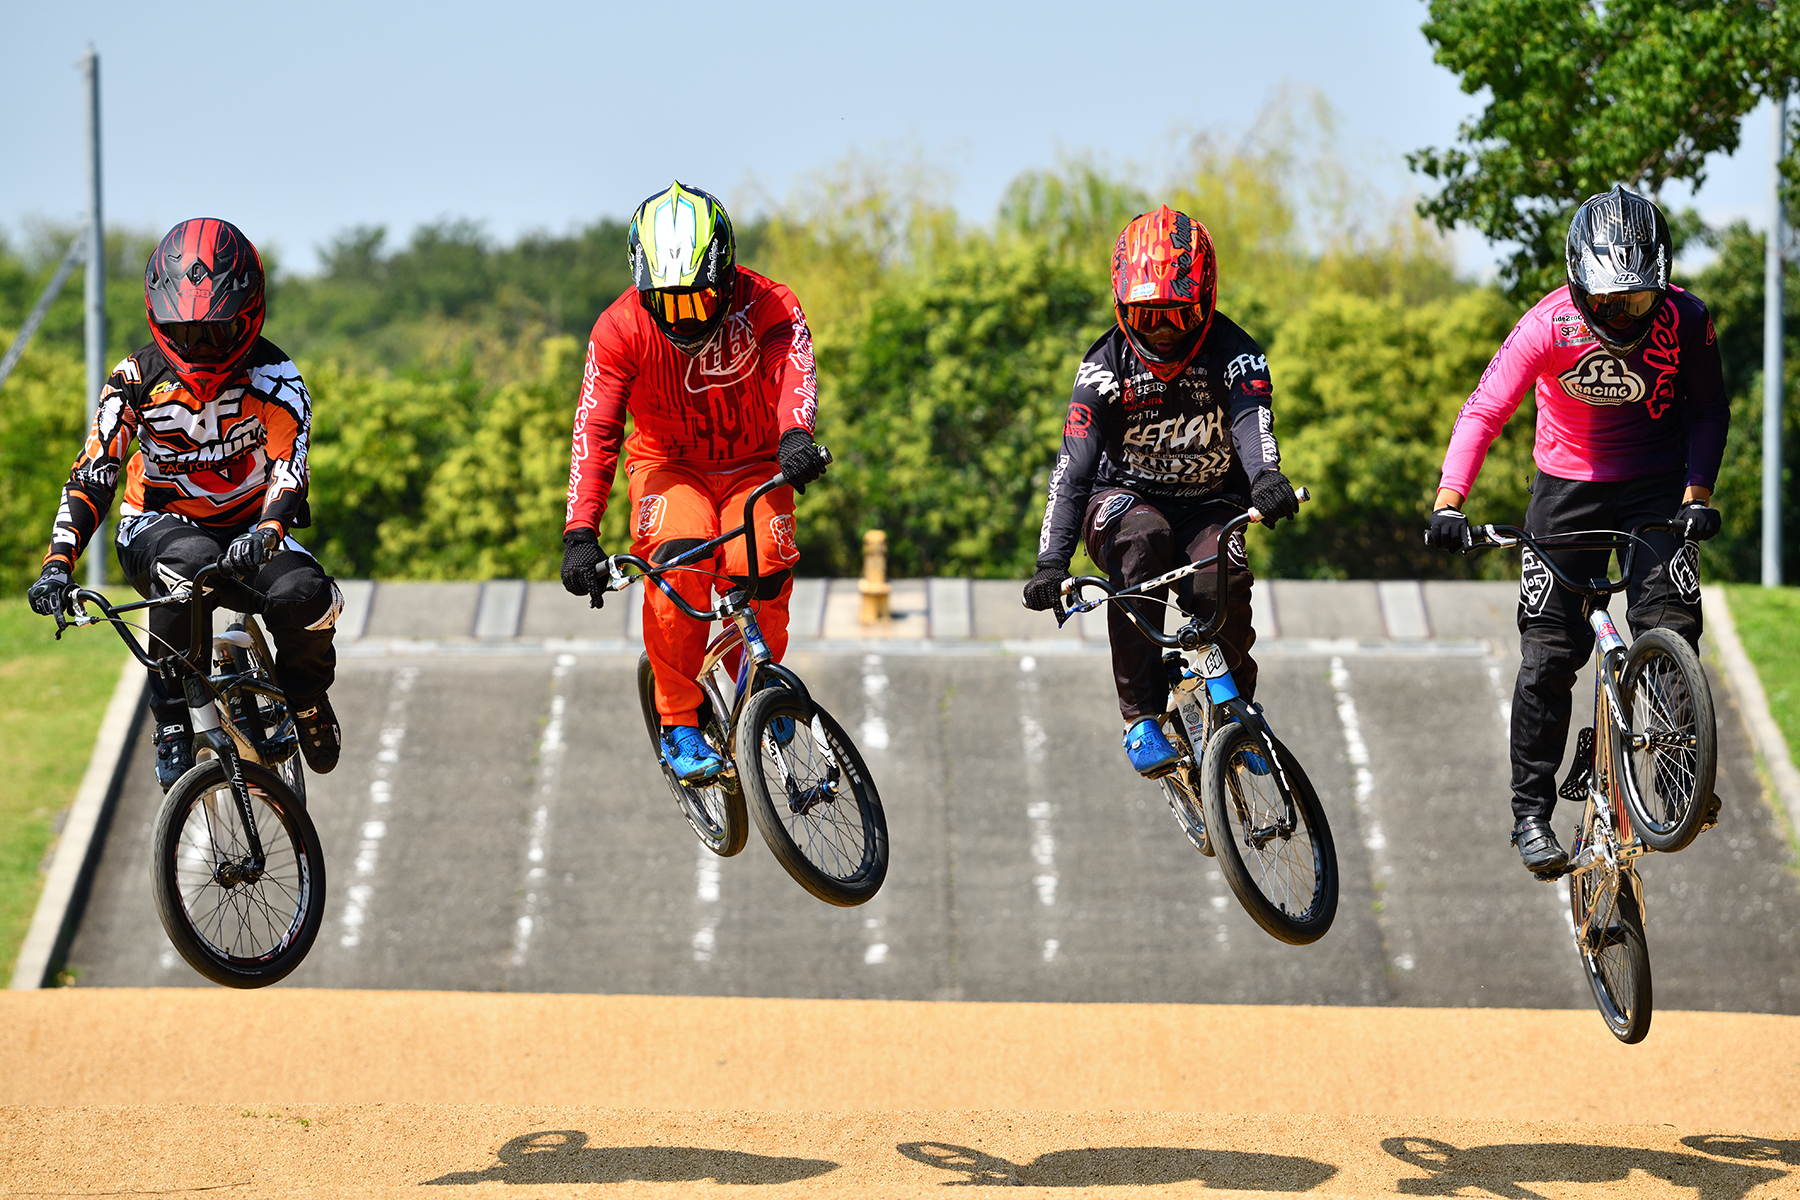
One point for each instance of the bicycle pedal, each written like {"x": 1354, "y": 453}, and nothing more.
{"x": 1550, "y": 876}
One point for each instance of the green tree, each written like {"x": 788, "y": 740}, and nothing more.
{"x": 42, "y": 420}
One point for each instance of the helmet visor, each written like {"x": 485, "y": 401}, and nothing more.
{"x": 1610, "y": 306}
{"x": 687, "y": 311}
{"x": 1146, "y": 317}
{"x": 203, "y": 341}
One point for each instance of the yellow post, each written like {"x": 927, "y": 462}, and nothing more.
{"x": 874, "y": 585}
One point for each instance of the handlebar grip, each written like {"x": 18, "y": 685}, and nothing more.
{"x": 1302, "y": 495}
{"x": 824, "y": 455}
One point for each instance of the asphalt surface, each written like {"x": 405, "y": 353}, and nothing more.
{"x": 497, "y": 823}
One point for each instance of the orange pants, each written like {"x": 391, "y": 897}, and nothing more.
{"x": 678, "y": 503}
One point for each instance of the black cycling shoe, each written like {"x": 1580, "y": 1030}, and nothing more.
{"x": 320, "y": 737}
{"x": 1542, "y": 853}
{"x": 174, "y": 743}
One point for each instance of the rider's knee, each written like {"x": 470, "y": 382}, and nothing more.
{"x": 768, "y": 587}
{"x": 303, "y": 598}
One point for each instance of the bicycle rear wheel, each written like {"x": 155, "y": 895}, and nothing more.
{"x": 1270, "y": 835}
{"x": 812, "y": 797}
{"x": 263, "y": 718}
{"x": 1609, "y": 936}
{"x": 1183, "y": 790}
{"x": 238, "y": 922}
{"x": 1669, "y": 783}
{"x": 716, "y": 809}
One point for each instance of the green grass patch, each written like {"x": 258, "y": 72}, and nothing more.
{"x": 52, "y": 696}
{"x": 1768, "y": 623}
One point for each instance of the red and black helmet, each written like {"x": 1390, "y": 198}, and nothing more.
{"x": 203, "y": 293}
{"x": 1164, "y": 271}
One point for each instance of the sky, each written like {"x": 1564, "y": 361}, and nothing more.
{"x": 299, "y": 121}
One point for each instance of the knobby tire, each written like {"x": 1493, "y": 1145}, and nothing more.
{"x": 1667, "y": 786}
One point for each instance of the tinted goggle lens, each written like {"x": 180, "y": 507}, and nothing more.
{"x": 1622, "y": 304}
{"x": 1146, "y": 317}
{"x": 688, "y": 305}
{"x": 202, "y": 337}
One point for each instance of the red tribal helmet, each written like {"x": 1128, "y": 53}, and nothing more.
{"x": 203, "y": 293}
{"x": 1164, "y": 272}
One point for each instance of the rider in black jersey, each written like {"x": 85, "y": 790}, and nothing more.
{"x": 1169, "y": 435}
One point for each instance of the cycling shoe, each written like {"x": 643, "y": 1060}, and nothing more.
{"x": 1542, "y": 854}
{"x": 689, "y": 755}
{"x": 1149, "y": 750}
{"x": 174, "y": 752}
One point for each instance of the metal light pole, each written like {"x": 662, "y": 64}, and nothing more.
{"x": 96, "y": 292}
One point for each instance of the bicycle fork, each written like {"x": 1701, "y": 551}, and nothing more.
{"x": 1222, "y": 692}
{"x": 203, "y": 715}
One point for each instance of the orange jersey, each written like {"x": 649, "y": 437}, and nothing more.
{"x": 227, "y": 463}
{"x": 719, "y": 410}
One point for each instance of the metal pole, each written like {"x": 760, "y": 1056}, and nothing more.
{"x": 96, "y": 293}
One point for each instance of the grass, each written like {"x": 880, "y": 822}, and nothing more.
{"x": 52, "y": 696}
{"x": 1768, "y": 623}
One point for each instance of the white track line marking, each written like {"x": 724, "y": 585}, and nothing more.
{"x": 873, "y": 733}
{"x": 1041, "y": 813}
{"x": 706, "y": 891}
{"x": 550, "y": 754}
{"x": 381, "y": 794}
{"x": 1374, "y": 838}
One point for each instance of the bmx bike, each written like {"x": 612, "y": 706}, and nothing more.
{"x": 1643, "y": 771}
{"x": 236, "y": 868}
{"x": 1237, "y": 791}
{"x": 786, "y": 759}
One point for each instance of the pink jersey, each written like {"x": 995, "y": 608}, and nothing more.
{"x": 1660, "y": 408}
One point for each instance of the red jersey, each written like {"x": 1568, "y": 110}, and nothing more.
{"x": 724, "y": 408}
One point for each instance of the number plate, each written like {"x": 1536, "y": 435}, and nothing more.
{"x": 1212, "y": 663}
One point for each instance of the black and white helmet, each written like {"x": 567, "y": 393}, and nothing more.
{"x": 1619, "y": 256}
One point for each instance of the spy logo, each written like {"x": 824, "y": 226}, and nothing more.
{"x": 1112, "y": 508}
{"x": 781, "y": 532}
{"x": 1599, "y": 378}
{"x": 1684, "y": 571}
{"x": 648, "y": 522}
{"x": 1534, "y": 584}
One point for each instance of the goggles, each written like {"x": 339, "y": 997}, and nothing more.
{"x": 696, "y": 305}
{"x": 203, "y": 339}
{"x": 1613, "y": 305}
{"x": 1146, "y": 317}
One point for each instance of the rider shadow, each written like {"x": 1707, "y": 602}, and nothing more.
{"x": 563, "y": 1156}
{"x": 1130, "y": 1166}
{"x": 1504, "y": 1170}
{"x": 1744, "y": 1146}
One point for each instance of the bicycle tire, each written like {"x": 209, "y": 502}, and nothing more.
{"x": 1184, "y": 791}
{"x": 839, "y": 857}
{"x": 1292, "y": 892}
{"x": 715, "y": 810}
{"x": 1667, "y": 788}
{"x": 1617, "y": 961}
{"x": 239, "y": 933}
{"x": 259, "y": 716}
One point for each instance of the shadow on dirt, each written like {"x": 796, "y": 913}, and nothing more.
{"x": 1739, "y": 1145}
{"x": 1504, "y": 1170}
{"x": 1111, "y": 1166}
{"x": 564, "y": 1156}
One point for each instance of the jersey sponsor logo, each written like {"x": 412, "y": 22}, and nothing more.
{"x": 1056, "y": 478}
{"x": 1243, "y": 364}
{"x": 1176, "y": 433}
{"x": 729, "y": 358}
{"x": 1711, "y": 337}
{"x": 1112, "y": 508}
{"x": 781, "y": 532}
{"x": 1599, "y": 378}
{"x": 1186, "y": 474}
{"x": 1078, "y": 422}
{"x": 1259, "y": 387}
{"x": 1662, "y": 354}
{"x": 1534, "y": 583}
{"x": 129, "y": 369}
{"x": 1570, "y": 329}
{"x": 647, "y": 522}
{"x": 1092, "y": 374}
{"x": 800, "y": 356}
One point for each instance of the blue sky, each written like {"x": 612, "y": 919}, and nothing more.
{"x": 297, "y": 121}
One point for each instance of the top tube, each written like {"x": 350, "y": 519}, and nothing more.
{"x": 1489, "y": 537}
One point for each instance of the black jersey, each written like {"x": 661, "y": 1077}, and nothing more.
{"x": 1127, "y": 428}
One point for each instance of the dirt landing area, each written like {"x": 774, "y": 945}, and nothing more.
{"x": 297, "y": 1091}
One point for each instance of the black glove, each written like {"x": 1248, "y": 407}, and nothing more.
{"x": 1042, "y": 589}
{"x": 1697, "y": 522}
{"x": 1449, "y": 531}
{"x": 800, "y": 460}
{"x": 1273, "y": 496}
{"x": 50, "y": 591}
{"x": 250, "y": 552}
{"x": 582, "y": 557}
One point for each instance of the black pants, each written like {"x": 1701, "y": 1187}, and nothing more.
{"x": 1554, "y": 639}
{"x": 1134, "y": 538}
{"x": 297, "y": 601}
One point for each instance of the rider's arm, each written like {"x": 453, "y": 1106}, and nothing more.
{"x": 1248, "y": 406}
{"x": 599, "y": 422}
{"x": 1084, "y": 437}
{"x": 287, "y": 418}
{"x": 1708, "y": 409}
{"x": 785, "y": 352}
{"x": 94, "y": 476}
{"x": 1513, "y": 371}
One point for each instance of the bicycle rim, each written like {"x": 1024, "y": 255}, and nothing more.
{"x": 1668, "y": 782}
{"x": 1609, "y": 936}
{"x": 1270, "y": 836}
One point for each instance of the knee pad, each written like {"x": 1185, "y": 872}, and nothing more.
{"x": 675, "y": 548}
{"x": 767, "y": 587}
{"x": 304, "y": 598}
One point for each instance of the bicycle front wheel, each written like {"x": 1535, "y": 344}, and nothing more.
{"x": 1270, "y": 835}
{"x": 812, "y": 797}
{"x": 1609, "y": 936}
{"x": 716, "y": 809}
{"x": 1668, "y": 782}
{"x": 240, "y": 922}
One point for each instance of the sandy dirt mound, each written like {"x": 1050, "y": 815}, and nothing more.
{"x": 299, "y": 1091}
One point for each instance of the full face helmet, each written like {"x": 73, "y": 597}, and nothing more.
{"x": 683, "y": 264}
{"x": 1619, "y": 252}
{"x": 203, "y": 294}
{"x": 1165, "y": 278}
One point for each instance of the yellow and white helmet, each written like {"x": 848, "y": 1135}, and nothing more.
{"x": 683, "y": 264}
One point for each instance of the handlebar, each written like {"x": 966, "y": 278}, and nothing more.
{"x": 1491, "y": 537}
{"x": 653, "y": 572}
{"x": 1191, "y": 635}
{"x": 77, "y": 600}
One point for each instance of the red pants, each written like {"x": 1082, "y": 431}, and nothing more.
{"x": 679, "y": 503}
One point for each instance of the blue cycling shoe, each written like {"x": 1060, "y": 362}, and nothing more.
{"x": 690, "y": 755}
{"x": 1149, "y": 751}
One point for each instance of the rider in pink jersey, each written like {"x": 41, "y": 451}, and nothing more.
{"x": 1631, "y": 427}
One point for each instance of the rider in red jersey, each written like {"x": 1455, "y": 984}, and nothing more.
{"x": 714, "y": 364}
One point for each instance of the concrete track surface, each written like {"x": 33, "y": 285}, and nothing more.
{"x": 497, "y": 823}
